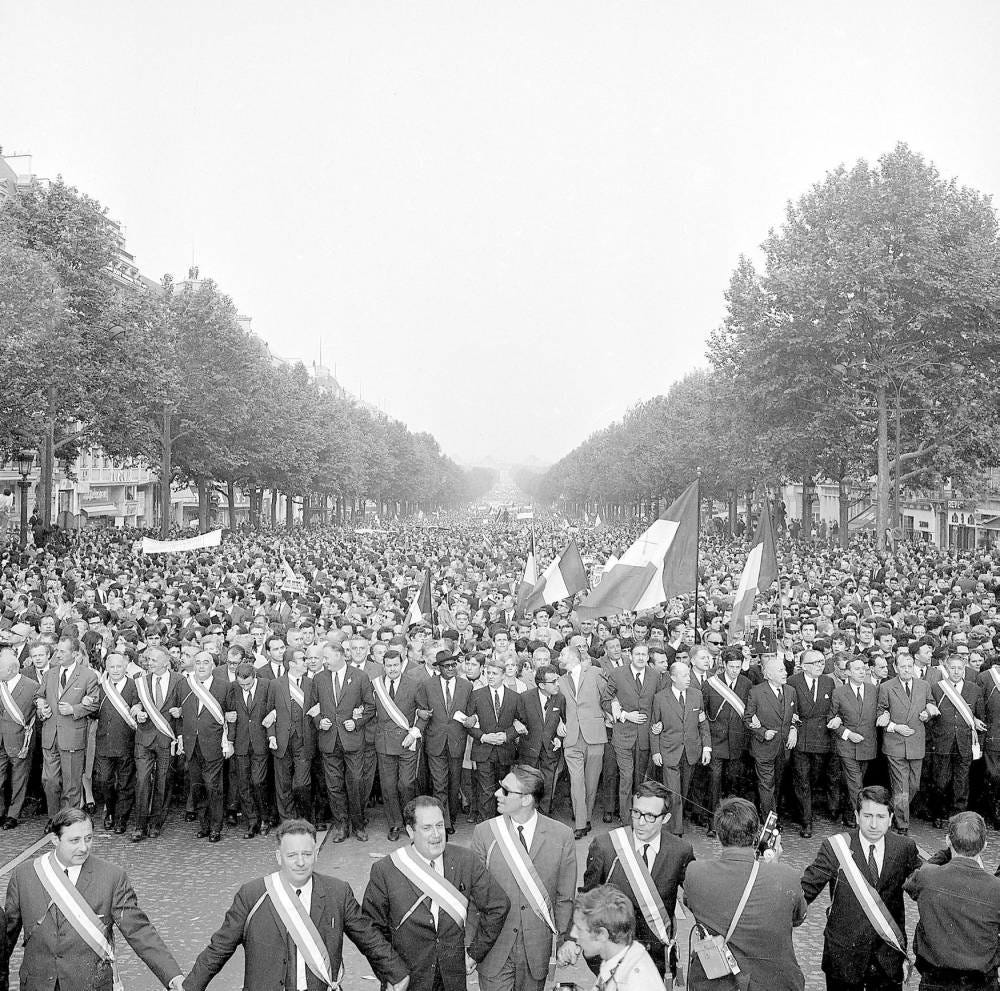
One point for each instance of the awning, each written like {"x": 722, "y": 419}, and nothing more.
{"x": 865, "y": 520}
{"x": 990, "y": 523}
{"x": 101, "y": 509}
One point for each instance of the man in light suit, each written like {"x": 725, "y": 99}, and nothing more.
{"x": 771, "y": 716}
{"x": 852, "y": 715}
{"x": 55, "y": 955}
{"x": 438, "y": 952}
{"x": 295, "y": 739}
{"x": 519, "y": 958}
{"x": 582, "y": 688}
{"x": 683, "y": 738}
{"x": 15, "y": 738}
{"x": 69, "y": 696}
{"x": 903, "y": 712}
{"x": 271, "y": 959}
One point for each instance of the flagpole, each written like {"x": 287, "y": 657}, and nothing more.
{"x": 697, "y": 540}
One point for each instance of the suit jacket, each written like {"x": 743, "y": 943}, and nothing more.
{"x": 12, "y": 733}
{"x": 200, "y": 727}
{"x": 388, "y": 735}
{"x": 266, "y": 672}
{"x": 53, "y": 952}
{"x": 684, "y": 731}
{"x": 620, "y": 684}
{"x": 772, "y": 714}
{"x": 668, "y": 871}
{"x": 553, "y": 853}
{"x": 950, "y": 727}
{"x": 390, "y": 895}
{"x": 269, "y": 957}
{"x": 442, "y": 734}
{"x": 481, "y": 705}
{"x": 726, "y": 726}
{"x": 115, "y": 738}
{"x": 69, "y": 732}
{"x": 991, "y": 708}
{"x": 288, "y": 714}
{"x": 813, "y": 736}
{"x": 859, "y": 719}
{"x": 541, "y": 732}
{"x": 850, "y": 942}
{"x": 903, "y": 709}
{"x": 584, "y": 714}
{"x": 247, "y": 732}
{"x": 146, "y": 734}
{"x": 762, "y": 941}
{"x": 355, "y": 693}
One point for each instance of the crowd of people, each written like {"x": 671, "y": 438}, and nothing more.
{"x": 277, "y": 683}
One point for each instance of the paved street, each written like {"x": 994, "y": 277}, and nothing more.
{"x": 186, "y": 886}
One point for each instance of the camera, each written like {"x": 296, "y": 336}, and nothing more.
{"x": 768, "y": 834}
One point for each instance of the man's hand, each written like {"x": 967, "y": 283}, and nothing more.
{"x": 272, "y": 743}
{"x": 470, "y": 964}
{"x": 227, "y": 748}
{"x": 325, "y": 724}
{"x": 656, "y": 729}
{"x": 358, "y": 712}
{"x": 658, "y": 759}
{"x": 521, "y": 729}
{"x": 568, "y": 953}
{"x": 793, "y": 738}
{"x": 561, "y": 729}
{"x": 932, "y": 710}
{"x": 770, "y": 734}
{"x": 754, "y": 722}
{"x": 773, "y": 853}
{"x": 269, "y": 720}
{"x": 179, "y": 747}
{"x": 175, "y": 712}
{"x": 350, "y": 725}
{"x": 424, "y": 713}
{"x": 980, "y": 725}
{"x": 903, "y": 730}
{"x": 176, "y": 983}
{"x": 835, "y": 723}
{"x": 706, "y": 756}
{"x": 65, "y": 709}
{"x": 853, "y": 737}
{"x": 231, "y": 716}
{"x": 556, "y": 743}
{"x": 401, "y": 986}
{"x": 883, "y": 720}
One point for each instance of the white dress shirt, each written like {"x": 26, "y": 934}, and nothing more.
{"x": 305, "y": 896}
{"x": 654, "y": 849}
{"x": 528, "y": 829}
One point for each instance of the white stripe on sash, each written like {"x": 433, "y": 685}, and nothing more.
{"x": 300, "y": 927}
{"x": 115, "y": 698}
{"x": 152, "y": 711}
{"x": 437, "y": 887}
{"x": 207, "y": 699}
{"x": 728, "y": 695}
{"x": 516, "y": 858}
{"x": 393, "y": 711}
{"x": 635, "y": 869}
{"x": 72, "y": 905}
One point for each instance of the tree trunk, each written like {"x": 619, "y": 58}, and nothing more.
{"x": 47, "y": 467}
{"x": 274, "y": 506}
{"x": 732, "y": 512}
{"x": 882, "y": 489}
{"x": 166, "y": 453}
{"x": 806, "y": 507}
{"x": 748, "y": 494}
{"x": 202, "y": 504}
{"x": 253, "y": 506}
{"x": 231, "y": 496}
{"x": 289, "y": 510}
{"x": 843, "y": 507}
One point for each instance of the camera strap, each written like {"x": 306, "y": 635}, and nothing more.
{"x": 744, "y": 898}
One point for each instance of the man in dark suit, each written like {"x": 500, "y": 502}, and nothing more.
{"x": 666, "y": 856}
{"x": 346, "y": 705}
{"x": 55, "y": 954}
{"x": 518, "y": 959}
{"x": 159, "y": 691}
{"x": 541, "y": 747}
{"x": 114, "y": 755}
{"x": 395, "y": 747}
{"x": 902, "y": 711}
{"x": 493, "y": 710}
{"x": 989, "y": 681}
{"x": 811, "y": 756}
{"x": 727, "y": 730}
{"x": 683, "y": 738}
{"x": 272, "y": 958}
{"x": 251, "y": 718}
{"x": 205, "y": 745}
{"x": 628, "y": 698}
{"x": 762, "y": 939}
{"x": 853, "y": 714}
{"x": 771, "y": 716}
{"x": 17, "y": 725}
{"x": 435, "y": 946}
{"x": 855, "y": 956}
{"x": 295, "y": 738}
{"x": 444, "y": 736}
{"x": 69, "y": 696}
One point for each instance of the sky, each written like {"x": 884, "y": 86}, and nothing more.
{"x": 502, "y": 222}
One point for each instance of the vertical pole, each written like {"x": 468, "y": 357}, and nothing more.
{"x": 697, "y": 540}
{"x": 23, "y": 485}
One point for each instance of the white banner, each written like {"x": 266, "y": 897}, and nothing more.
{"x": 211, "y": 539}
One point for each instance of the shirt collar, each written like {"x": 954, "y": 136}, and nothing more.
{"x": 654, "y": 844}
{"x": 608, "y": 966}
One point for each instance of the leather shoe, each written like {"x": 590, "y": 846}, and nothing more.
{"x": 710, "y": 834}
{"x": 90, "y": 808}
{"x": 449, "y": 831}
{"x": 230, "y": 818}
{"x": 154, "y": 832}
{"x": 267, "y": 827}
{"x": 252, "y": 831}
{"x": 202, "y": 833}
{"x": 580, "y": 833}
{"x": 337, "y": 834}
{"x": 137, "y": 836}
{"x": 9, "y": 823}
{"x": 938, "y": 823}
{"x": 393, "y": 834}
{"x": 109, "y": 822}
{"x": 806, "y": 832}
{"x": 215, "y": 838}
{"x": 120, "y": 828}
{"x": 190, "y": 816}
{"x": 48, "y": 826}
{"x": 361, "y": 836}
{"x": 607, "y": 817}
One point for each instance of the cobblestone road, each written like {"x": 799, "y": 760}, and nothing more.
{"x": 186, "y": 886}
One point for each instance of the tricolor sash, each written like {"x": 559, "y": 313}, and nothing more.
{"x": 13, "y": 709}
{"x": 71, "y": 903}
{"x": 520, "y": 865}
{"x": 207, "y": 699}
{"x": 297, "y": 695}
{"x": 151, "y": 710}
{"x": 300, "y": 927}
{"x": 117, "y": 700}
{"x": 874, "y": 908}
{"x": 995, "y": 675}
{"x": 394, "y": 712}
{"x": 434, "y": 885}
{"x": 638, "y": 876}
{"x": 962, "y": 707}
{"x": 728, "y": 695}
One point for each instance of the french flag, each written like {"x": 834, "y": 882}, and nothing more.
{"x": 564, "y": 577}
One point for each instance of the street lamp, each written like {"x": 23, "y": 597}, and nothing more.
{"x": 25, "y": 462}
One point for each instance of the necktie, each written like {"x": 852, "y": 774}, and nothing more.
{"x": 62, "y": 679}
{"x": 433, "y": 904}
{"x": 645, "y": 855}
{"x": 246, "y": 700}
{"x": 638, "y": 685}
{"x": 861, "y": 695}
{"x": 909, "y": 693}
{"x": 392, "y": 690}
{"x": 520, "y": 836}
{"x": 157, "y": 693}
{"x": 496, "y": 704}
{"x": 683, "y": 706}
{"x": 872, "y": 866}
{"x": 298, "y": 892}
{"x": 336, "y": 689}
{"x": 447, "y": 697}
{"x": 545, "y": 704}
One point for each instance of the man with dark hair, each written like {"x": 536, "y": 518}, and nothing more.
{"x": 658, "y": 861}
{"x": 493, "y": 710}
{"x": 772, "y": 718}
{"x": 544, "y": 715}
{"x": 295, "y": 941}
{"x": 17, "y": 724}
{"x": 958, "y": 902}
{"x": 69, "y": 903}
{"x": 251, "y": 718}
{"x": 761, "y": 942}
{"x": 862, "y": 950}
{"x": 419, "y": 899}
{"x": 529, "y": 854}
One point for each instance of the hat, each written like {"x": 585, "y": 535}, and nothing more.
{"x": 443, "y": 656}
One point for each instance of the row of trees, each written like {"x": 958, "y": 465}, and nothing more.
{"x": 168, "y": 376}
{"x": 867, "y": 344}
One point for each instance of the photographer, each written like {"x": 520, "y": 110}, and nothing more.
{"x": 761, "y": 941}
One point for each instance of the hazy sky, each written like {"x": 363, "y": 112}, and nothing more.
{"x": 505, "y": 221}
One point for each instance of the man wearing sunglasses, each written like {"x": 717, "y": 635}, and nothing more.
{"x": 664, "y": 856}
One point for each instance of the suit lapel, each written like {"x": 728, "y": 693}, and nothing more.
{"x": 536, "y": 840}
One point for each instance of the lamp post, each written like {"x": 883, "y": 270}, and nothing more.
{"x": 25, "y": 462}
